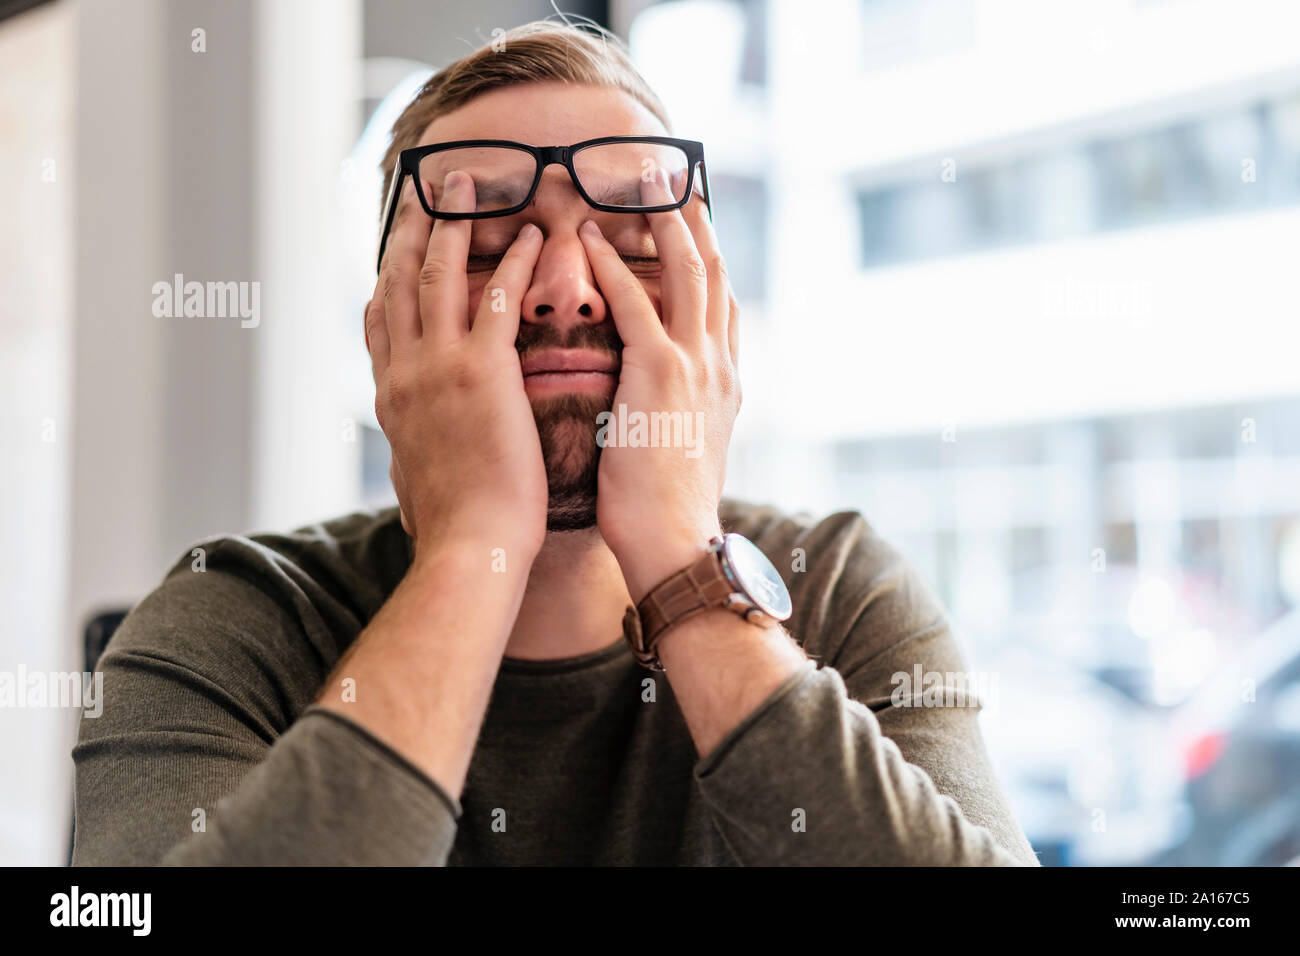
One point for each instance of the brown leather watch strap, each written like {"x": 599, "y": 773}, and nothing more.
{"x": 696, "y": 588}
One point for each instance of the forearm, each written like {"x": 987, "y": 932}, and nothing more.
{"x": 326, "y": 794}
{"x": 213, "y": 752}
{"x": 722, "y": 667}
{"x": 812, "y": 779}
{"x": 420, "y": 676}
{"x": 797, "y": 771}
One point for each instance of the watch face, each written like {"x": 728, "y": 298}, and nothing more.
{"x": 756, "y": 576}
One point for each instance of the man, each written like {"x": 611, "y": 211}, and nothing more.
{"x": 448, "y": 682}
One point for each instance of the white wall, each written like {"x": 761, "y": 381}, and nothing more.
{"x": 37, "y": 172}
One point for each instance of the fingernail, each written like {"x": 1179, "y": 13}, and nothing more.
{"x": 661, "y": 177}
{"x": 590, "y": 228}
{"x": 529, "y": 231}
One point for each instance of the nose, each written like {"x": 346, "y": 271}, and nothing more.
{"x": 563, "y": 291}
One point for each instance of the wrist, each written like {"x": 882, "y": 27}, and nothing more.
{"x": 472, "y": 554}
{"x": 654, "y": 558}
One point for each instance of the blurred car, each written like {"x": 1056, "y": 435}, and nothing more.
{"x": 1089, "y": 771}
{"x": 1152, "y": 637}
{"x": 1240, "y": 741}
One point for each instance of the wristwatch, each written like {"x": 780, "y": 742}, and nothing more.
{"x": 733, "y": 574}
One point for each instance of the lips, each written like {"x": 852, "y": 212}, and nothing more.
{"x": 569, "y": 361}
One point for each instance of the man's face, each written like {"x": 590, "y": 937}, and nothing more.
{"x": 564, "y": 316}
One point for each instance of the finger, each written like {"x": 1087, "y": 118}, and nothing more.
{"x": 634, "y": 314}
{"x": 685, "y": 293}
{"x": 720, "y": 308}
{"x": 497, "y": 318}
{"x": 399, "y": 272}
{"x": 444, "y": 289}
{"x": 376, "y": 326}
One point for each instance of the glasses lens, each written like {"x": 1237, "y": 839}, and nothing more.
{"x": 502, "y": 175}
{"x": 623, "y": 174}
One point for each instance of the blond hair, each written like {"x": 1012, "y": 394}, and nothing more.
{"x": 536, "y": 52}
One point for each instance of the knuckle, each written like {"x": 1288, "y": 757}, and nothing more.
{"x": 394, "y": 397}
{"x": 675, "y": 370}
{"x": 729, "y": 381}
{"x": 464, "y": 373}
{"x": 394, "y": 279}
{"x": 693, "y": 266}
{"x": 718, "y": 266}
{"x": 374, "y": 316}
{"x": 434, "y": 271}
{"x": 666, "y": 362}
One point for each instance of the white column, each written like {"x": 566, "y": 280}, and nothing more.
{"x": 308, "y": 62}
{"x": 36, "y": 179}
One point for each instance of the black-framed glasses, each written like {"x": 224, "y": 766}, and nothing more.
{"x": 607, "y": 172}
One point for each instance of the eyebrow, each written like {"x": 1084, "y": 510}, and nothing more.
{"x": 496, "y": 191}
{"x": 619, "y": 194}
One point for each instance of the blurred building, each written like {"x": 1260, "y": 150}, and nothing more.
{"x": 1027, "y": 307}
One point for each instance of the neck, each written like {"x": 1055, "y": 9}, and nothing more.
{"x": 574, "y": 601}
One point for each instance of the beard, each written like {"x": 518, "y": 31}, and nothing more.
{"x": 566, "y": 425}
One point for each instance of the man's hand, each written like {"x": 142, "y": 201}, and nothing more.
{"x": 657, "y": 507}
{"x": 449, "y": 394}
{"x": 467, "y": 466}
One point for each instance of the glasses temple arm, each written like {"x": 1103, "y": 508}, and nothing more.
{"x": 704, "y": 184}
{"x": 399, "y": 174}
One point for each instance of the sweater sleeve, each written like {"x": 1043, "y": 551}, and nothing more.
{"x": 209, "y": 751}
{"x": 849, "y": 763}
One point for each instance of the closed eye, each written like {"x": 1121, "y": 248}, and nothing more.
{"x": 481, "y": 262}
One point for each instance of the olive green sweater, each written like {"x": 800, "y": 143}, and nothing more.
{"x": 209, "y": 749}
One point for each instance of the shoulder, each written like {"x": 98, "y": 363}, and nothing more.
{"x": 366, "y": 547}
{"x": 264, "y": 614}
{"x": 855, "y": 596}
{"x": 355, "y": 560}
